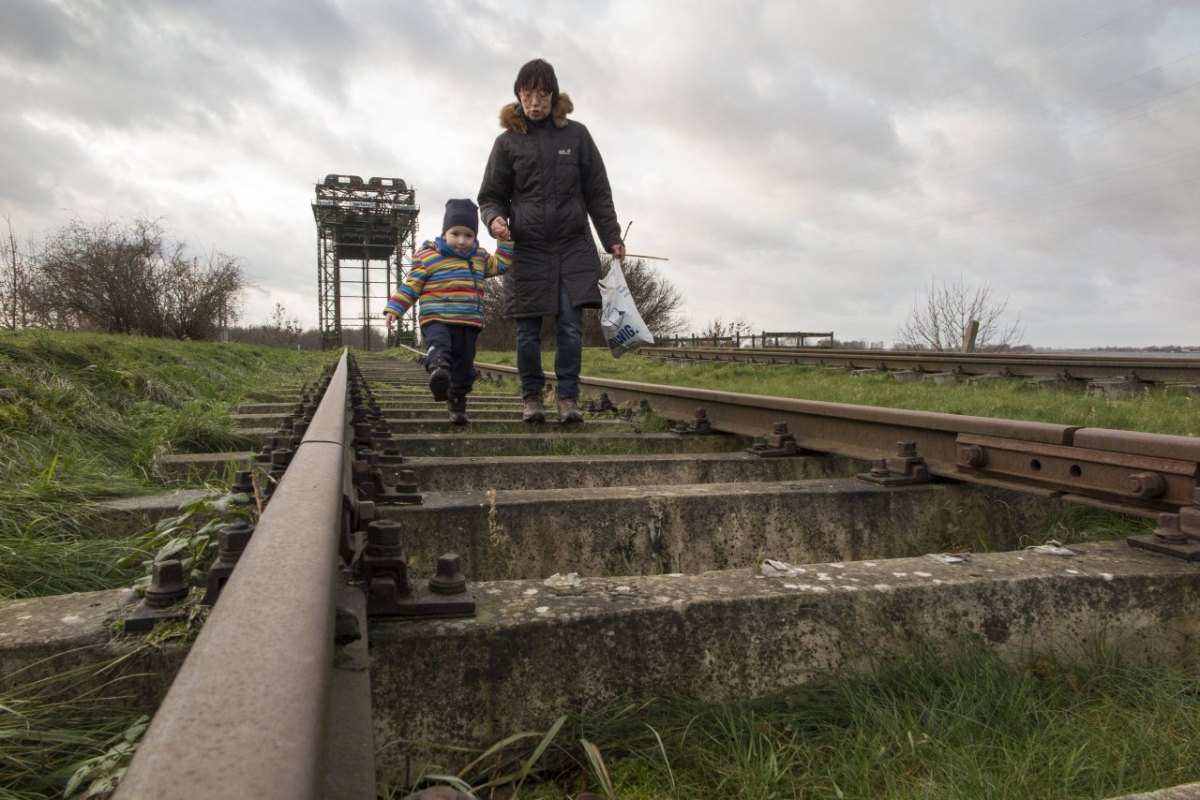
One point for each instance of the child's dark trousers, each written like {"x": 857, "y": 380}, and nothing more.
{"x": 452, "y": 347}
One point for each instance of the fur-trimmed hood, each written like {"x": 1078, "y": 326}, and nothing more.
{"x": 513, "y": 119}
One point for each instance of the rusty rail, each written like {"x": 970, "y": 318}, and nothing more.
{"x": 246, "y": 715}
{"x": 1134, "y": 473}
{"x": 1149, "y": 369}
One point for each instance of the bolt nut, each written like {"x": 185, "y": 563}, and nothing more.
{"x": 232, "y": 540}
{"x": 167, "y": 586}
{"x": 449, "y": 578}
{"x": 281, "y": 457}
{"x": 906, "y": 449}
{"x": 972, "y": 456}
{"x": 406, "y": 482}
{"x": 1147, "y": 485}
{"x": 1168, "y": 529}
{"x": 383, "y": 536}
{"x": 243, "y": 482}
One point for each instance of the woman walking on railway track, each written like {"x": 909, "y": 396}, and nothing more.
{"x": 447, "y": 278}
{"x": 543, "y": 180}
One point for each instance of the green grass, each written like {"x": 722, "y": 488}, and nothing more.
{"x": 71, "y": 729}
{"x": 921, "y": 724}
{"x": 1158, "y": 411}
{"x": 83, "y": 418}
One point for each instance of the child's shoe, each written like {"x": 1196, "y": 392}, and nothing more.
{"x": 458, "y": 410}
{"x": 439, "y": 384}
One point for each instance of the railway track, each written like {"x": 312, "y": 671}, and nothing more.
{"x": 504, "y": 571}
{"x": 1147, "y": 369}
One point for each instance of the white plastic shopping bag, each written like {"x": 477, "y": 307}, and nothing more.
{"x": 623, "y": 327}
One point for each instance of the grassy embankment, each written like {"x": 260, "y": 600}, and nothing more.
{"x": 82, "y": 419}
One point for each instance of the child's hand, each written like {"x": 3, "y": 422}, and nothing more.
{"x": 499, "y": 228}
{"x": 391, "y": 320}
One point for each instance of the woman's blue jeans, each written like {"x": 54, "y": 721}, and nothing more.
{"x": 567, "y": 356}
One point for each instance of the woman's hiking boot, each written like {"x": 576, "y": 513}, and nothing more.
{"x": 457, "y": 406}
{"x": 532, "y": 409}
{"x": 568, "y": 411}
{"x": 439, "y": 384}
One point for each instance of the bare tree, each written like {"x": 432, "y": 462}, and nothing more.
{"x": 718, "y": 328}
{"x": 129, "y": 279}
{"x": 280, "y": 330}
{"x": 940, "y": 320}
{"x": 14, "y": 282}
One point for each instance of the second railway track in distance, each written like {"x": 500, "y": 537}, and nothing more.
{"x": 1146, "y": 369}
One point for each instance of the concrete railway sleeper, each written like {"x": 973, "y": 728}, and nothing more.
{"x": 751, "y": 544}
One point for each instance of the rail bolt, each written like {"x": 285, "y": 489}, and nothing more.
{"x": 906, "y": 449}
{"x": 281, "y": 457}
{"x": 243, "y": 482}
{"x": 167, "y": 586}
{"x": 449, "y": 578}
{"x": 1168, "y": 530}
{"x": 383, "y": 537}
{"x": 232, "y": 540}
{"x": 406, "y": 482}
{"x": 973, "y": 456}
{"x": 1147, "y": 485}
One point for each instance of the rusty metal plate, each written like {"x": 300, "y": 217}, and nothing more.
{"x": 1148, "y": 482}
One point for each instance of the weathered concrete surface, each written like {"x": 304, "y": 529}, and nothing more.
{"x": 505, "y": 535}
{"x": 548, "y": 472}
{"x": 201, "y": 466}
{"x": 534, "y": 652}
{"x": 38, "y": 628}
{"x": 126, "y": 516}
{"x": 45, "y": 636}
{"x": 394, "y": 407}
{"x": 555, "y": 439}
{"x": 491, "y": 421}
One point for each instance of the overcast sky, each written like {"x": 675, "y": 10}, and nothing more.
{"x": 808, "y": 165}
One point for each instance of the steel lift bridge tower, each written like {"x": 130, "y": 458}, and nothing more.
{"x": 366, "y": 238}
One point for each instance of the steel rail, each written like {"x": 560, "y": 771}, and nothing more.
{"x": 1150, "y": 369}
{"x": 246, "y": 715}
{"x": 1136, "y": 473}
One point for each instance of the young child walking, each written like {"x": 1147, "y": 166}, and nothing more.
{"x": 447, "y": 278}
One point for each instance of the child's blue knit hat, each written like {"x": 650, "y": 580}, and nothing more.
{"x": 461, "y": 212}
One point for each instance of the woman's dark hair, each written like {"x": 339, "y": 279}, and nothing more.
{"x": 537, "y": 74}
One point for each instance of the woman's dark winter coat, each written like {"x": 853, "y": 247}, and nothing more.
{"x": 546, "y": 178}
